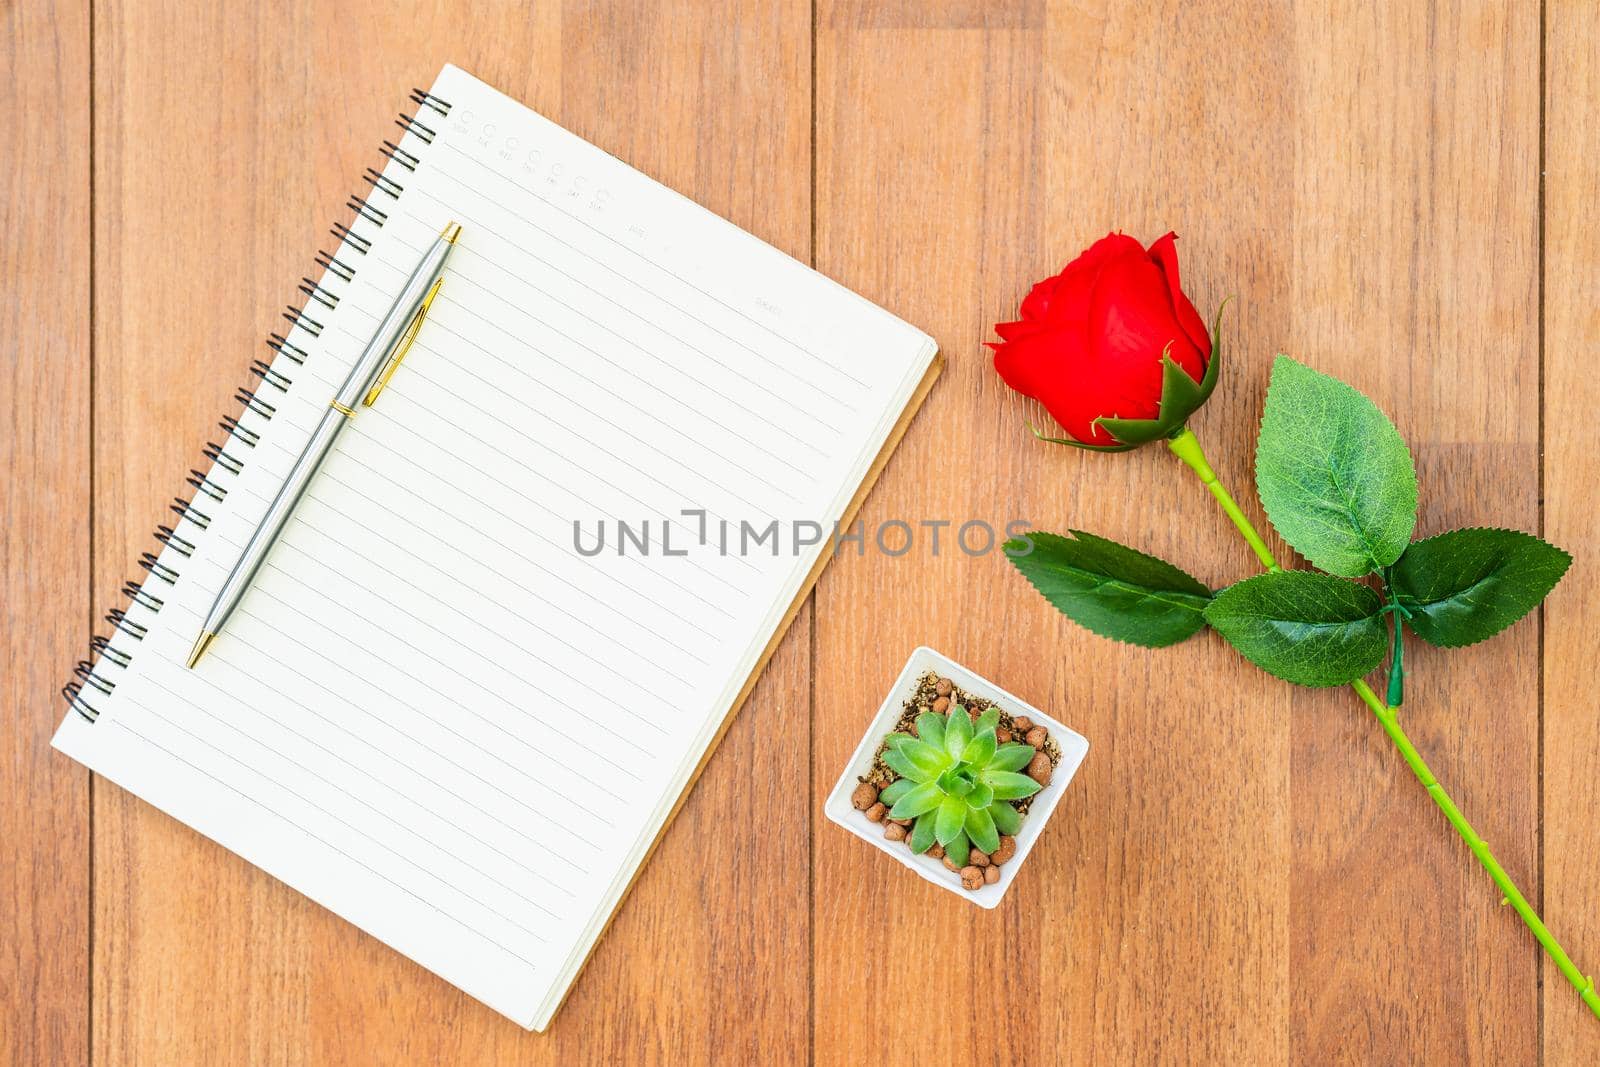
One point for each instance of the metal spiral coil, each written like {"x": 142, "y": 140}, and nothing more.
{"x": 132, "y": 623}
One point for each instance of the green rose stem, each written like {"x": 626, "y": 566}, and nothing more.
{"x": 1186, "y": 447}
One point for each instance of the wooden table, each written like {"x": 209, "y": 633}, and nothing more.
{"x": 1401, "y": 194}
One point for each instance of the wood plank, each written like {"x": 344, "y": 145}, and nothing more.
{"x": 1367, "y": 185}
{"x": 1414, "y": 278}
{"x": 202, "y": 957}
{"x": 1572, "y": 614}
{"x": 1152, "y": 918}
{"x": 44, "y": 544}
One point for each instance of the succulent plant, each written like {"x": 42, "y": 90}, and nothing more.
{"x": 957, "y": 782}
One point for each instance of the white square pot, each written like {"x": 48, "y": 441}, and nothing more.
{"x": 839, "y": 809}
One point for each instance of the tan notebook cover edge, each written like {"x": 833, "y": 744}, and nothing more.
{"x": 890, "y": 443}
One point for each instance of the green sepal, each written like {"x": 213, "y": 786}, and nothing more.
{"x": 1006, "y": 819}
{"x": 1075, "y": 443}
{"x": 1181, "y": 396}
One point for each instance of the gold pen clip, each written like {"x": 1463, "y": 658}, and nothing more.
{"x": 404, "y": 346}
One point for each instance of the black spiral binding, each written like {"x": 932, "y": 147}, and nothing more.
{"x": 107, "y": 654}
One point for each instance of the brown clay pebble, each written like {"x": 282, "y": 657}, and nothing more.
{"x": 942, "y": 687}
{"x": 1036, "y": 737}
{"x": 894, "y": 832}
{"x": 991, "y": 875}
{"x": 948, "y": 864}
{"x": 1039, "y": 768}
{"x": 875, "y": 813}
{"x": 1002, "y": 736}
{"x": 941, "y": 705}
{"x": 1022, "y": 724}
{"x": 901, "y": 822}
{"x": 1007, "y": 849}
{"x": 971, "y": 878}
{"x": 936, "y": 850}
{"x": 978, "y": 859}
{"x": 864, "y": 797}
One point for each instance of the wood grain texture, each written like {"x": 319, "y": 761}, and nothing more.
{"x": 1572, "y": 471}
{"x": 1224, "y": 879}
{"x": 1242, "y": 872}
{"x": 1151, "y": 920}
{"x": 44, "y": 542}
{"x": 199, "y": 957}
{"x": 1415, "y": 278}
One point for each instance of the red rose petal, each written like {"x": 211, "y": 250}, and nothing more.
{"x": 1069, "y": 307}
{"x": 1040, "y": 366}
{"x": 1131, "y": 324}
{"x": 1165, "y": 253}
{"x": 1011, "y": 331}
{"x": 1037, "y": 303}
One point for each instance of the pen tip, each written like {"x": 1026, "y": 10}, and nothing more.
{"x": 451, "y": 231}
{"x": 201, "y": 643}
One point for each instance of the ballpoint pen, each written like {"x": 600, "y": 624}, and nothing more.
{"x": 372, "y": 371}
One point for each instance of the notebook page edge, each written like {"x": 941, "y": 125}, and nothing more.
{"x": 932, "y": 362}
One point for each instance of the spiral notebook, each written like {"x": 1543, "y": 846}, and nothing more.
{"x": 434, "y": 714}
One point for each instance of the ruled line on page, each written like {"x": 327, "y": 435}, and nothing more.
{"x": 270, "y": 687}
{"x": 722, "y": 455}
{"x": 541, "y": 199}
{"x": 497, "y": 698}
{"x": 233, "y": 727}
{"x": 373, "y": 625}
{"x": 478, "y": 227}
{"x": 772, "y": 419}
{"x": 469, "y": 742}
{"x": 592, "y": 567}
{"x": 674, "y": 492}
{"x": 406, "y": 426}
{"x": 716, "y": 484}
{"x": 493, "y": 663}
{"x": 430, "y": 381}
{"x": 655, "y": 572}
{"x": 444, "y": 299}
{"x": 372, "y": 685}
{"x": 300, "y": 828}
{"x": 485, "y": 597}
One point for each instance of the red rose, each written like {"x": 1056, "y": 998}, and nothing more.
{"x": 1094, "y": 345}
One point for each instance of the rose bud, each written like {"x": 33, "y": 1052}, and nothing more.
{"x": 1111, "y": 346}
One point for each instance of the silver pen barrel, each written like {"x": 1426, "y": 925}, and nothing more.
{"x": 365, "y": 380}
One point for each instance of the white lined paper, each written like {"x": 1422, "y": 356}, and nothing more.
{"x": 431, "y": 714}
